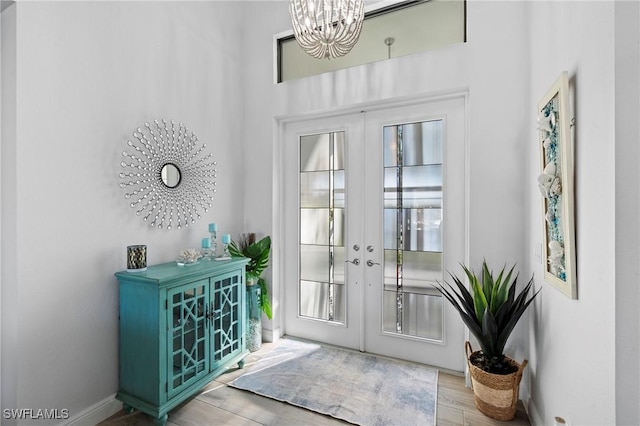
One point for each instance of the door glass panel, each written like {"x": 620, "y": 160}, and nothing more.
{"x": 421, "y": 314}
{"x": 314, "y": 189}
{"x": 421, "y": 186}
{"x": 187, "y": 336}
{"x": 422, "y": 144}
{"x": 322, "y": 202}
{"x": 314, "y": 262}
{"x": 423, "y": 229}
{"x": 412, "y": 228}
{"x": 314, "y": 300}
{"x": 419, "y": 269}
{"x": 314, "y": 226}
{"x": 314, "y": 150}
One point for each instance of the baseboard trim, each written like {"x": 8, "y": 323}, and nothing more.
{"x": 269, "y": 335}
{"x": 98, "y": 412}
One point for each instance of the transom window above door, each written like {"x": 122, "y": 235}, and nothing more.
{"x": 390, "y": 30}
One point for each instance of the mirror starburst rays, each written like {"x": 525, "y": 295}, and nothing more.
{"x": 161, "y": 204}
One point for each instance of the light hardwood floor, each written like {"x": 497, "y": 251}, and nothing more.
{"x": 219, "y": 404}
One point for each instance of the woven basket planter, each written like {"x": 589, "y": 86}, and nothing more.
{"x": 495, "y": 395}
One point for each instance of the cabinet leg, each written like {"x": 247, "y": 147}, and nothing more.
{"x": 241, "y": 363}
{"x": 127, "y": 408}
{"x": 161, "y": 421}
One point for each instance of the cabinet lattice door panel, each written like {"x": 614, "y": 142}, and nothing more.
{"x": 180, "y": 327}
{"x": 227, "y": 338}
{"x": 187, "y": 340}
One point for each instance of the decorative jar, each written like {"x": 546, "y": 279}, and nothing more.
{"x": 254, "y": 316}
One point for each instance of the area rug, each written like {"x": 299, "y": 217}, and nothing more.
{"x": 359, "y": 388}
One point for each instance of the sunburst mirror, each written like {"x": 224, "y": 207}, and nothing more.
{"x": 167, "y": 176}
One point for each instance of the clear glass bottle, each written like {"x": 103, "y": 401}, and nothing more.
{"x": 213, "y": 250}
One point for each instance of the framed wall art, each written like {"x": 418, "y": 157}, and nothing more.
{"x": 556, "y": 182}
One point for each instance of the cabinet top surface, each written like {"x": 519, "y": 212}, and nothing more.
{"x": 170, "y": 270}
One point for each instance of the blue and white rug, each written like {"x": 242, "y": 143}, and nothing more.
{"x": 360, "y": 388}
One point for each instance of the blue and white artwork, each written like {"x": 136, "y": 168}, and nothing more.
{"x": 556, "y": 186}
{"x": 550, "y": 185}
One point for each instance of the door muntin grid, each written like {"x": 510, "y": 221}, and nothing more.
{"x": 412, "y": 228}
{"x": 227, "y": 332}
{"x": 187, "y": 335}
{"x": 321, "y": 287}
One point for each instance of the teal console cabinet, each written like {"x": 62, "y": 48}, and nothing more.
{"x": 180, "y": 327}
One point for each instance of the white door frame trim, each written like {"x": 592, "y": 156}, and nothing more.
{"x": 279, "y": 225}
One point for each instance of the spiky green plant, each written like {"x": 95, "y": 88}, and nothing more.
{"x": 490, "y": 309}
{"x": 258, "y": 253}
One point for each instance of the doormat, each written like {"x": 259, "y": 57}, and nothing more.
{"x": 359, "y": 388}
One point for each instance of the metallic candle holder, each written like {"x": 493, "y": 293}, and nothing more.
{"x": 136, "y": 258}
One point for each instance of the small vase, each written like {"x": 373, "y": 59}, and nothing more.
{"x": 254, "y": 317}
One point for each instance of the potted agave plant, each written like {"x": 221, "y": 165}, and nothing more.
{"x": 257, "y": 297}
{"x": 491, "y": 309}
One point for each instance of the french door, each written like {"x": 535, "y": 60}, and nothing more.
{"x": 374, "y": 207}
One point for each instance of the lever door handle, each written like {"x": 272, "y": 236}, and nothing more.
{"x": 355, "y": 261}
{"x": 371, "y": 263}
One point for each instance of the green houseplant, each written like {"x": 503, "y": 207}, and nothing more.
{"x": 258, "y": 252}
{"x": 490, "y": 308}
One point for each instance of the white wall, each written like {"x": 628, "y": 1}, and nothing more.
{"x": 88, "y": 74}
{"x": 627, "y": 211}
{"x": 8, "y": 293}
{"x": 572, "y": 345}
{"x": 490, "y": 66}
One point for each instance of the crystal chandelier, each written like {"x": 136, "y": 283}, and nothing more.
{"x": 326, "y": 28}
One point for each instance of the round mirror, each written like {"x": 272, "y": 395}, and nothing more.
{"x": 170, "y": 175}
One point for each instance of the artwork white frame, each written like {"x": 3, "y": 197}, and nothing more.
{"x": 556, "y": 183}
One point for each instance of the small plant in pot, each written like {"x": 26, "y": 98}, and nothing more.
{"x": 257, "y": 298}
{"x": 491, "y": 309}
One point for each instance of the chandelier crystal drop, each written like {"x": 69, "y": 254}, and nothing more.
{"x": 327, "y": 28}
